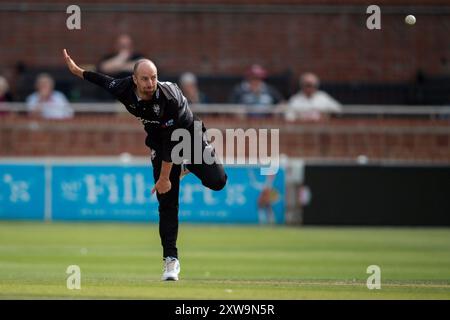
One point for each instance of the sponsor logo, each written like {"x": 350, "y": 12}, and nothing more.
{"x": 145, "y": 121}
{"x": 168, "y": 123}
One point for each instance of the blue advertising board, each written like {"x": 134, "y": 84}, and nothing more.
{"x": 96, "y": 192}
{"x": 22, "y": 191}
{"x": 123, "y": 193}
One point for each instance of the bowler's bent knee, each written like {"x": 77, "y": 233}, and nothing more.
{"x": 216, "y": 184}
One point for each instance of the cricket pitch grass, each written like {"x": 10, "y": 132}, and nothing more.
{"x": 123, "y": 261}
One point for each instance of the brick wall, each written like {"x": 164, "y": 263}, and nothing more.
{"x": 337, "y": 46}
{"x": 388, "y": 139}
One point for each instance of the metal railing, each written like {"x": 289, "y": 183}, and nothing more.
{"x": 237, "y": 109}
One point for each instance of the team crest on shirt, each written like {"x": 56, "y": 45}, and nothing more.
{"x": 112, "y": 84}
{"x": 156, "y": 109}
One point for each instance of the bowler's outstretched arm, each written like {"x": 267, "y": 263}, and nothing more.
{"x": 73, "y": 67}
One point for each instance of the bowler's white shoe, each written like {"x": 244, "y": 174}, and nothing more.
{"x": 171, "y": 269}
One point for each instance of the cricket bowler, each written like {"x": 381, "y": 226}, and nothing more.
{"x": 162, "y": 108}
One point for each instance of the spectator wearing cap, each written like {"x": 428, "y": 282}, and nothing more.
{"x": 254, "y": 91}
{"x": 46, "y": 101}
{"x": 189, "y": 86}
{"x": 310, "y": 102}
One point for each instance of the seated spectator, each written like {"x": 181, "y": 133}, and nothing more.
{"x": 5, "y": 95}
{"x": 120, "y": 64}
{"x": 46, "y": 101}
{"x": 310, "y": 102}
{"x": 188, "y": 84}
{"x": 254, "y": 92}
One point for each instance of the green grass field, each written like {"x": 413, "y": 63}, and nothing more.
{"x": 123, "y": 261}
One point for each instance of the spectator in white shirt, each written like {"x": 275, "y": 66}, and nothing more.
{"x": 47, "y": 102}
{"x": 310, "y": 103}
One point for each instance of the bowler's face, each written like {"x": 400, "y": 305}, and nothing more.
{"x": 146, "y": 80}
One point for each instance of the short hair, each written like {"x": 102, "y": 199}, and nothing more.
{"x": 136, "y": 65}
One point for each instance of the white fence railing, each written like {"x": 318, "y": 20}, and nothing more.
{"x": 237, "y": 109}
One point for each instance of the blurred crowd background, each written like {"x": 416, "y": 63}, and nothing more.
{"x": 300, "y": 61}
{"x": 220, "y": 41}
